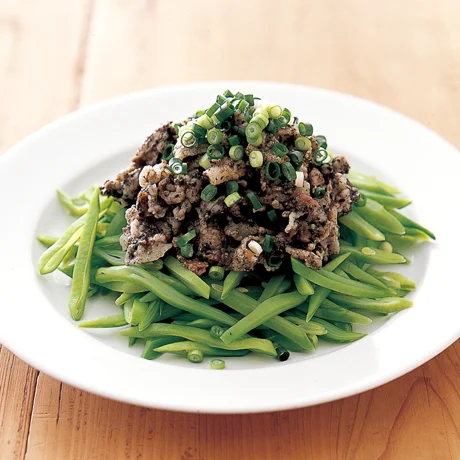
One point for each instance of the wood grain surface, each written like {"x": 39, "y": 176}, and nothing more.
{"x": 56, "y": 56}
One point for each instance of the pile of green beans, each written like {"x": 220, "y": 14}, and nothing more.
{"x": 172, "y": 310}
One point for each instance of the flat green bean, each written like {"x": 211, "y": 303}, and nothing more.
{"x": 336, "y": 283}
{"x": 47, "y": 240}
{"x": 402, "y": 281}
{"x": 376, "y": 257}
{"x": 272, "y": 287}
{"x": 244, "y": 305}
{"x": 173, "y": 282}
{"x": 335, "y": 334}
{"x": 370, "y": 183}
{"x": 117, "y": 224}
{"x": 113, "y": 240}
{"x": 232, "y": 280}
{"x": 388, "y": 201}
{"x": 190, "y": 279}
{"x": 265, "y": 311}
{"x": 361, "y": 275}
{"x": 411, "y": 223}
{"x": 281, "y": 340}
{"x": 344, "y": 326}
{"x": 361, "y": 226}
{"x": 105, "y": 322}
{"x": 188, "y": 345}
{"x": 382, "y": 305}
{"x": 331, "y": 311}
{"x": 82, "y": 268}
{"x": 150, "y": 345}
{"x": 76, "y": 207}
{"x": 303, "y": 286}
{"x": 122, "y": 298}
{"x": 309, "y": 328}
{"x": 374, "y": 212}
{"x": 163, "y": 290}
{"x": 314, "y": 339}
{"x": 199, "y": 335}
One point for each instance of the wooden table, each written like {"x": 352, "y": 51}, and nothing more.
{"x": 57, "y": 56}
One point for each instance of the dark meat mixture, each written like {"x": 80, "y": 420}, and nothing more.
{"x": 163, "y": 206}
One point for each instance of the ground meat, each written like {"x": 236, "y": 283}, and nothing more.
{"x": 163, "y": 206}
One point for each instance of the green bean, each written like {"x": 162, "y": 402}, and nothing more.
{"x": 47, "y": 240}
{"x": 411, "y": 223}
{"x": 402, "y": 242}
{"x": 331, "y": 311}
{"x": 202, "y": 323}
{"x": 129, "y": 288}
{"x": 372, "y": 184}
{"x": 302, "y": 285}
{"x": 188, "y": 345}
{"x": 335, "y": 334}
{"x": 361, "y": 226}
{"x": 314, "y": 339}
{"x": 383, "y": 305}
{"x": 281, "y": 340}
{"x": 388, "y": 201}
{"x": 105, "y": 322}
{"x": 173, "y": 282}
{"x": 82, "y": 269}
{"x": 402, "y": 281}
{"x": 150, "y": 345}
{"x": 309, "y": 328}
{"x": 232, "y": 280}
{"x": 194, "y": 282}
{"x": 138, "y": 312}
{"x": 131, "y": 341}
{"x": 341, "y": 273}
{"x": 75, "y": 207}
{"x": 361, "y": 275}
{"x": 380, "y": 217}
{"x": 122, "y": 298}
{"x": 380, "y": 257}
{"x": 117, "y": 224}
{"x": 163, "y": 290}
{"x": 149, "y": 297}
{"x": 244, "y": 305}
{"x": 199, "y": 335}
{"x": 113, "y": 257}
{"x": 321, "y": 293}
{"x": 264, "y": 312}
{"x": 336, "y": 283}
{"x": 113, "y": 240}
{"x": 272, "y": 287}
{"x": 344, "y": 326}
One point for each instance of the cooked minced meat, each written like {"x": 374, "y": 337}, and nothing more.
{"x": 298, "y": 215}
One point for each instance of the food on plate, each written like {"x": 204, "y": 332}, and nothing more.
{"x": 236, "y": 231}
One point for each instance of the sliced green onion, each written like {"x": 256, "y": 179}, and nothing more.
{"x": 248, "y": 114}
{"x": 287, "y": 114}
{"x": 255, "y": 247}
{"x": 216, "y": 273}
{"x": 225, "y": 126}
{"x": 208, "y": 193}
{"x": 200, "y": 112}
{"x": 280, "y": 149}
{"x": 319, "y": 157}
{"x": 271, "y": 127}
{"x": 234, "y": 140}
{"x": 198, "y": 130}
{"x": 184, "y": 168}
{"x": 274, "y": 261}
{"x": 272, "y": 170}
{"x": 288, "y": 171}
{"x": 236, "y": 152}
{"x": 319, "y": 192}
{"x": 214, "y": 136}
{"x": 204, "y": 161}
{"x": 321, "y": 140}
{"x": 253, "y": 130}
{"x": 256, "y": 159}
{"x": 223, "y": 113}
{"x": 243, "y": 105}
{"x": 249, "y": 98}
{"x": 368, "y": 251}
{"x": 305, "y": 129}
{"x": 185, "y": 238}
{"x": 177, "y": 127}
{"x": 231, "y": 186}
{"x": 239, "y": 95}
{"x": 176, "y": 167}
{"x": 256, "y": 204}
{"x": 274, "y": 111}
{"x": 228, "y": 93}
{"x": 280, "y": 122}
{"x": 216, "y": 152}
{"x": 299, "y": 179}
{"x": 186, "y": 250}
{"x": 260, "y": 120}
{"x": 221, "y": 99}
{"x": 272, "y": 215}
{"x": 232, "y": 199}
{"x": 195, "y": 356}
{"x": 283, "y": 354}
{"x": 217, "y": 364}
{"x": 188, "y": 139}
{"x": 204, "y": 121}
{"x": 255, "y": 141}
{"x": 168, "y": 152}
{"x": 268, "y": 243}
{"x": 303, "y": 143}
{"x": 213, "y": 109}
{"x": 216, "y": 330}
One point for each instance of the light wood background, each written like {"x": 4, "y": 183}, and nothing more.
{"x": 57, "y": 55}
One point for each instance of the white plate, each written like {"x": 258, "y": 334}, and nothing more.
{"x": 91, "y": 145}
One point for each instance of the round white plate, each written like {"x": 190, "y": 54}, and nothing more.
{"x": 91, "y": 145}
